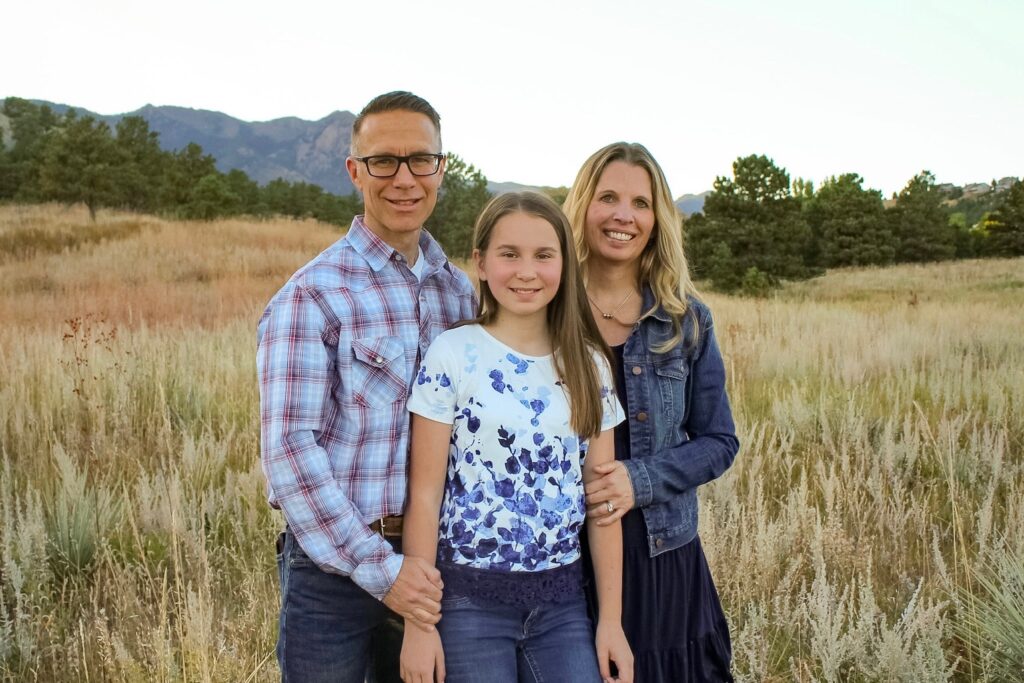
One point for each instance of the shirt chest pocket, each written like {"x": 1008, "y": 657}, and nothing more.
{"x": 378, "y": 371}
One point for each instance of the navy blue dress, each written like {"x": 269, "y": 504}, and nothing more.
{"x": 670, "y": 609}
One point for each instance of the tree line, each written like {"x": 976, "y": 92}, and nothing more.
{"x": 757, "y": 229}
{"x": 71, "y": 158}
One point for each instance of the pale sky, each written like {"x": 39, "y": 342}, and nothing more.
{"x": 528, "y": 90}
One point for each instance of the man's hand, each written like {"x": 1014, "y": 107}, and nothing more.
{"x": 416, "y": 593}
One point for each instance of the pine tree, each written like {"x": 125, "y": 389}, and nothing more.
{"x": 849, "y": 224}
{"x": 921, "y": 227}
{"x": 752, "y": 229}
{"x": 1005, "y": 226}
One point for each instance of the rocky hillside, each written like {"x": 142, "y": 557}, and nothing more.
{"x": 288, "y": 148}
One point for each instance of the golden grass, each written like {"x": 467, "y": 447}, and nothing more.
{"x": 880, "y": 476}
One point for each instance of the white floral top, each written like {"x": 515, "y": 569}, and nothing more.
{"x": 513, "y": 496}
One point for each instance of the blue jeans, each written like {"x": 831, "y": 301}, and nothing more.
{"x": 330, "y": 628}
{"x": 500, "y": 644}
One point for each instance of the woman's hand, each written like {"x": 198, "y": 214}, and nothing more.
{"x": 612, "y": 647}
{"x": 610, "y": 496}
{"x": 422, "y": 656}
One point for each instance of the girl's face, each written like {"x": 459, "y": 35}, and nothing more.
{"x": 620, "y": 218}
{"x": 522, "y": 265}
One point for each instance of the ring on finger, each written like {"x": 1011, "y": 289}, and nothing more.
{"x": 608, "y": 505}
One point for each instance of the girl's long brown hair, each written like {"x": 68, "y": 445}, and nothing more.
{"x": 574, "y": 334}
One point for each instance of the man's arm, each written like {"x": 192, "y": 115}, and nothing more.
{"x": 296, "y": 374}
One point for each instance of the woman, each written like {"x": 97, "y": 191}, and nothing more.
{"x": 679, "y": 431}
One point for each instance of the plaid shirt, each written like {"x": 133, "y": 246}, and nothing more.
{"x": 338, "y": 346}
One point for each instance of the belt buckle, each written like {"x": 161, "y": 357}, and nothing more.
{"x": 383, "y": 528}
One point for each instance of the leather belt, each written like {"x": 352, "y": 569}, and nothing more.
{"x": 388, "y": 527}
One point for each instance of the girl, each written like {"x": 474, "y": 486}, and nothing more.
{"x": 512, "y": 411}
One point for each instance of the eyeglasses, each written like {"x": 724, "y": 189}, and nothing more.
{"x": 385, "y": 166}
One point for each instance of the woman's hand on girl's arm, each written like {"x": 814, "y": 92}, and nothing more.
{"x": 612, "y": 486}
{"x": 612, "y": 647}
{"x": 422, "y": 659}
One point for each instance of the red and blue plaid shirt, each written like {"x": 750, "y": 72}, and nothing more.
{"x": 338, "y": 347}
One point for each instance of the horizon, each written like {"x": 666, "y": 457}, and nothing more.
{"x": 881, "y": 90}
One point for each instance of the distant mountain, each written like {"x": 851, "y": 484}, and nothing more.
{"x": 289, "y": 148}
{"x": 504, "y": 188}
{"x": 690, "y": 204}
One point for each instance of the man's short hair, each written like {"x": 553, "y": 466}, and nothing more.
{"x": 398, "y": 100}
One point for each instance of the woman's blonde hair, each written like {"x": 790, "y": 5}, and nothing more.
{"x": 663, "y": 264}
{"x": 574, "y": 334}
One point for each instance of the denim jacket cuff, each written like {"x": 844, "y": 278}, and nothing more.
{"x": 642, "y": 490}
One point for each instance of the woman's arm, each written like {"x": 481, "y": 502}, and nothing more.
{"x": 422, "y": 656}
{"x": 606, "y": 553}
{"x": 712, "y": 444}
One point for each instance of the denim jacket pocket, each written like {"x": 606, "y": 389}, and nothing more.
{"x": 378, "y": 371}
{"x": 672, "y": 373}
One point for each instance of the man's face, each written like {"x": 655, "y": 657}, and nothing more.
{"x": 396, "y": 207}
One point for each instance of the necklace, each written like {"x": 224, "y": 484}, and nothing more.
{"x": 610, "y": 316}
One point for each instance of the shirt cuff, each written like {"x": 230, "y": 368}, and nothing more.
{"x": 377, "y": 572}
{"x": 643, "y": 492}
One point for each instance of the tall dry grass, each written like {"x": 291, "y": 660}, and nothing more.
{"x": 871, "y": 528}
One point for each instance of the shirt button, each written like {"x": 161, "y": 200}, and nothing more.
{"x": 378, "y": 360}
{"x": 637, "y": 370}
{"x": 641, "y": 417}
{"x": 659, "y": 543}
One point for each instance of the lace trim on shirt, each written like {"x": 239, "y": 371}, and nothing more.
{"x": 517, "y": 589}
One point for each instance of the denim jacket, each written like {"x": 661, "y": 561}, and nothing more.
{"x": 681, "y": 431}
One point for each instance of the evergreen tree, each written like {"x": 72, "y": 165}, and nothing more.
{"x": 19, "y": 167}
{"x": 1005, "y": 226}
{"x": 462, "y": 197}
{"x": 752, "y": 228}
{"x": 78, "y": 164}
{"x": 849, "y": 224}
{"x": 141, "y": 166}
{"x": 920, "y": 225}
{"x": 211, "y": 198}
{"x": 182, "y": 173}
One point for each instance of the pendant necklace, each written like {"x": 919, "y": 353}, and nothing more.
{"x": 611, "y": 316}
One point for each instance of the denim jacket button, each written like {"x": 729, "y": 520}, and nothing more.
{"x": 641, "y": 417}
{"x": 637, "y": 370}
{"x": 659, "y": 542}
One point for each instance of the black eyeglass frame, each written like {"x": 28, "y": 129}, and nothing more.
{"x": 438, "y": 158}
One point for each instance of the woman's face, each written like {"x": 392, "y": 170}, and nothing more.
{"x": 620, "y": 218}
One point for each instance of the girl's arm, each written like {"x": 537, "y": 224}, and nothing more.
{"x": 606, "y": 553}
{"x": 422, "y": 656}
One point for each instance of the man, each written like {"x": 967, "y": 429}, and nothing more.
{"x": 338, "y": 346}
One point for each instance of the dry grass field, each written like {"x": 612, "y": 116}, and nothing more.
{"x": 872, "y": 528}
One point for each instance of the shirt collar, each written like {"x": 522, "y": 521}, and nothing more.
{"x": 377, "y": 252}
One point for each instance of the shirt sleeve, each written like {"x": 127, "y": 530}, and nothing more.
{"x": 611, "y": 410}
{"x": 434, "y": 388}
{"x": 297, "y": 373}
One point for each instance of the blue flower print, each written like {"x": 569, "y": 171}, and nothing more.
{"x": 521, "y": 365}
{"x": 422, "y": 377}
{"x": 499, "y": 380}
{"x": 504, "y": 488}
{"x": 443, "y": 380}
